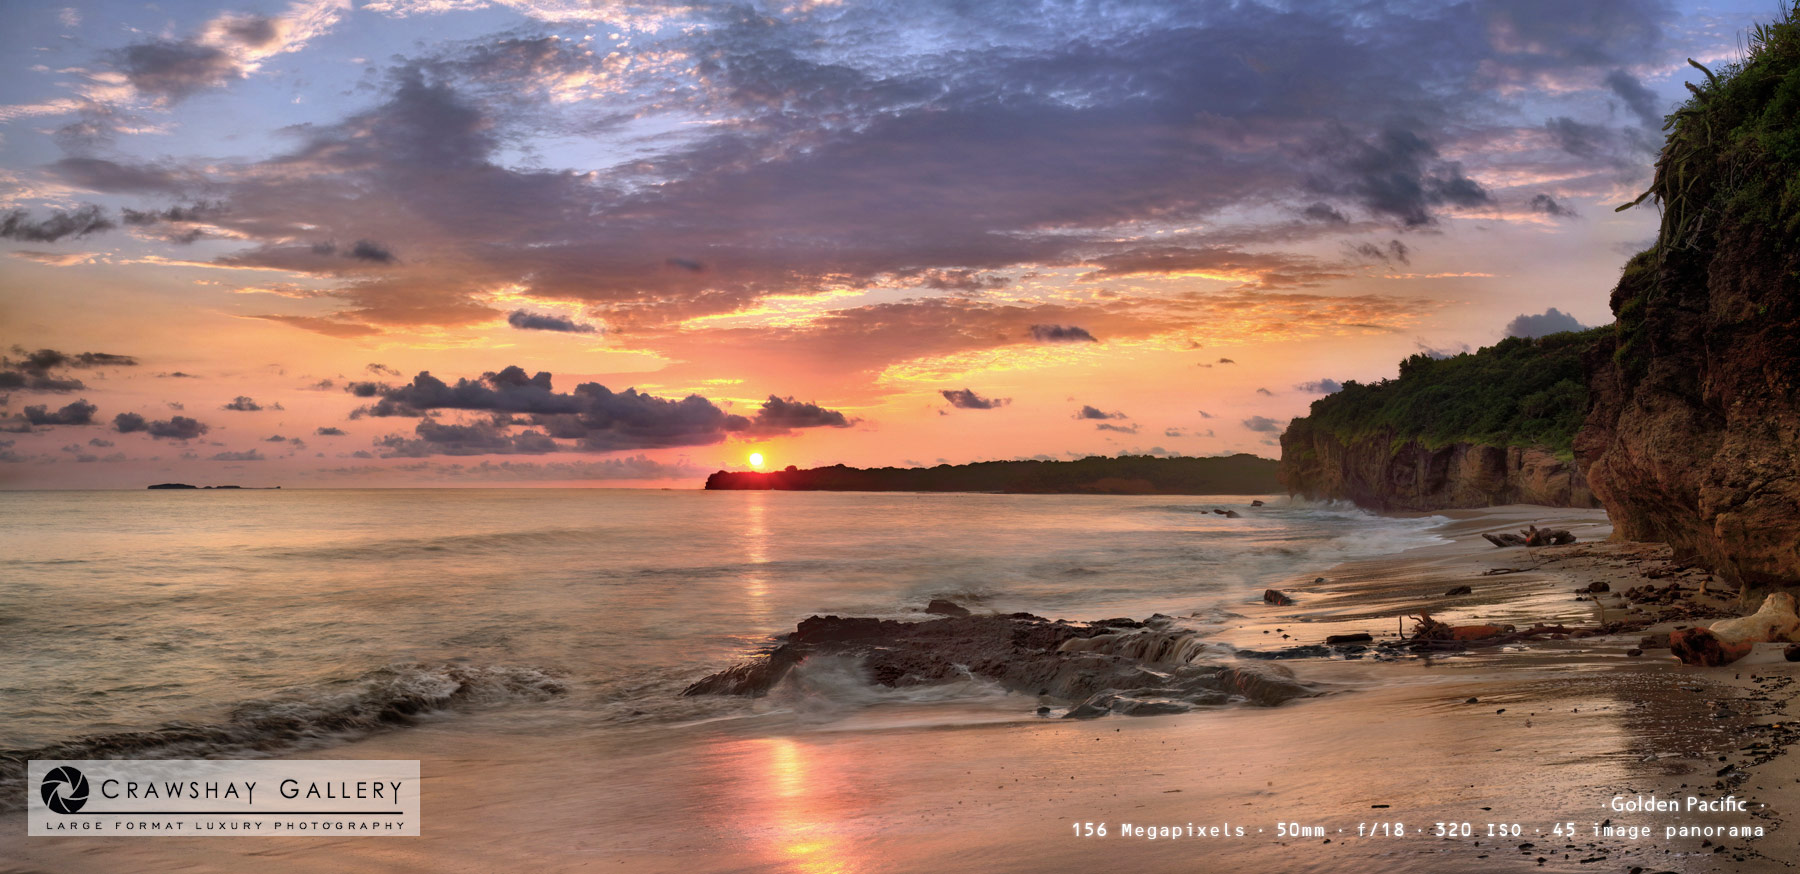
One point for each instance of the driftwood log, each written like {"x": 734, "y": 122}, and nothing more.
{"x": 1533, "y": 536}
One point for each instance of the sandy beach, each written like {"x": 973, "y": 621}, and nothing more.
{"x": 1527, "y": 744}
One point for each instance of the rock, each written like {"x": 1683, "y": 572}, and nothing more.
{"x": 1692, "y": 421}
{"x": 1459, "y": 590}
{"x": 1146, "y": 666}
{"x": 1231, "y": 514}
{"x": 941, "y": 607}
{"x": 1634, "y": 653}
{"x": 1655, "y": 641}
{"x": 1218, "y": 511}
{"x": 1595, "y": 587}
{"x": 1792, "y": 653}
{"x": 1358, "y": 637}
{"x": 1699, "y": 646}
{"x": 1278, "y": 598}
{"x": 1318, "y": 579}
{"x": 1380, "y": 472}
{"x": 1256, "y": 503}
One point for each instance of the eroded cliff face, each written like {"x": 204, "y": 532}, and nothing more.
{"x": 1693, "y": 438}
{"x": 1693, "y": 429}
{"x": 1375, "y": 473}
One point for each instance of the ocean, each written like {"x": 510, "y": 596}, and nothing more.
{"x": 250, "y": 623}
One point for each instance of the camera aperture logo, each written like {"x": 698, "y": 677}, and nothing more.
{"x": 204, "y": 797}
{"x": 65, "y": 790}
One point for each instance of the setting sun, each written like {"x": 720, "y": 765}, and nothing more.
{"x": 756, "y": 459}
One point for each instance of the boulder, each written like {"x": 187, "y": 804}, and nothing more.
{"x": 941, "y": 607}
{"x": 1277, "y": 597}
{"x": 1459, "y": 590}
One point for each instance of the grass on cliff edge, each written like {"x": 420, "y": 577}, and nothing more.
{"x": 1517, "y": 392}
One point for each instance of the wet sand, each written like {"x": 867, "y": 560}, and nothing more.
{"x": 1557, "y": 729}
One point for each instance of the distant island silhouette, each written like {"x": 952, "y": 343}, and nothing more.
{"x": 205, "y": 488}
{"x": 1240, "y": 474}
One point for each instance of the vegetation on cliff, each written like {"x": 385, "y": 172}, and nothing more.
{"x": 1240, "y": 474}
{"x": 1518, "y": 392}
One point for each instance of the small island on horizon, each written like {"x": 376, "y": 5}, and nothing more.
{"x": 1240, "y": 474}
{"x": 180, "y": 486}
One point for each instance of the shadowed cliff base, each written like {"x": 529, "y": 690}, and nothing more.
{"x": 1240, "y": 474}
{"x": 1693, "y": 438}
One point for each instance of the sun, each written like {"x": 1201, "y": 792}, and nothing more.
{"x": 756, "y": 459}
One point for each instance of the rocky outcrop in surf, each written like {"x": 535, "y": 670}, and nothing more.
{"x": 1111, "y": 666}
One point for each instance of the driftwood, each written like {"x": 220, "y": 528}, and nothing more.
{"x": 1533, "y": 536}
{"x": 1731, "y": 639}
{"x": 1430, "y": 634}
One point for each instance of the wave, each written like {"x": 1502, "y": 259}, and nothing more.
{"x": 380, "y": 700}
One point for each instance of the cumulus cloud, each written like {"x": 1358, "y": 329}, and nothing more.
{"x": 245, "y": 455}
{"x": 1397, "y": 173}
{"x": 328, "y": 431}
{"x": 1093, "y": 412}
{"x": 1320, "y": 386}
{"x": 1265, "y": 392}
{"x": 1551, "y": 321}
{"x": 1061, "y": 334}
{"x": 78, "y": 413}
{"x": 1264, "y": 425}
{"x": 529, "y": 321}
{"x": 1392, "y": 252}
{"x": 965, "y": 399}
{"x": 1122, "y": 429}
{"x": 243, "y": 404}
{"x": 45, "y": 369}
{"x": 176, "y": 428}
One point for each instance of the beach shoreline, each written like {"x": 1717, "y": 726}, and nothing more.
{"x": 1534, "y": 735}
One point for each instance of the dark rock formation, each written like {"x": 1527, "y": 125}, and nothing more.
{"x": 1111, "y": 666}
{"x": 941, "y": 607}
{"x": 1375, "y": 474}
{"x": 1693, "y": 436}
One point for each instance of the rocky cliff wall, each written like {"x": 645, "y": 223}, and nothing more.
{"x": 1376, "y": 473}
{"x": 1693, "y": 432}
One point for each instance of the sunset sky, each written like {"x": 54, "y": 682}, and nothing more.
{"x": 487, "y": 242}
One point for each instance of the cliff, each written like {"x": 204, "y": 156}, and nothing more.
{"x": 1472, "y": 430}
{"x": 1128, "y": 475}
{"x": 1694, "y": 434}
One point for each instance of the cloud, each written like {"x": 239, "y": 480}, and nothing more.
{"x": 1397, "y": 173}
{"x": 327, "y": 431}
{"x": 1549, "y": 206}
{"x": 528, "y": 321}
{"x": 1640, "y": 100}
{"x": 177, "y": 428}
{"x": 1092, "y": 412}
{"x": 594, "y": 416}
{"x": 1320, "y": 386}
{"x": 366, "y": 250}
{"x": 380, "y": 369}
{"x": 1441, "y": 352}
{"x": 1552, "y": 321}
{"x": 781, "y": 415}
{"x": 243, "y": 404}
{"x": 226, "y": 48}
{"x": 246, "y": 455}
{"x": 1226, "y": 361}
{"x": 1206, "y": 415}
{"x": 1122, "y": 429}
{"x": 78, "y": 413}
{"x": 966, "y": 399}
{"x": 1061, "y": 334}
{"x": 1264, "y": 425}
{"x": 1265, "y": 392}
{"x": 1394, "y": 252}
{"x": 44, "y": 369}
{"x": 17, "y": 225}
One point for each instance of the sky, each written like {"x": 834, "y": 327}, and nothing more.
{"x": 337, "y": 243}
